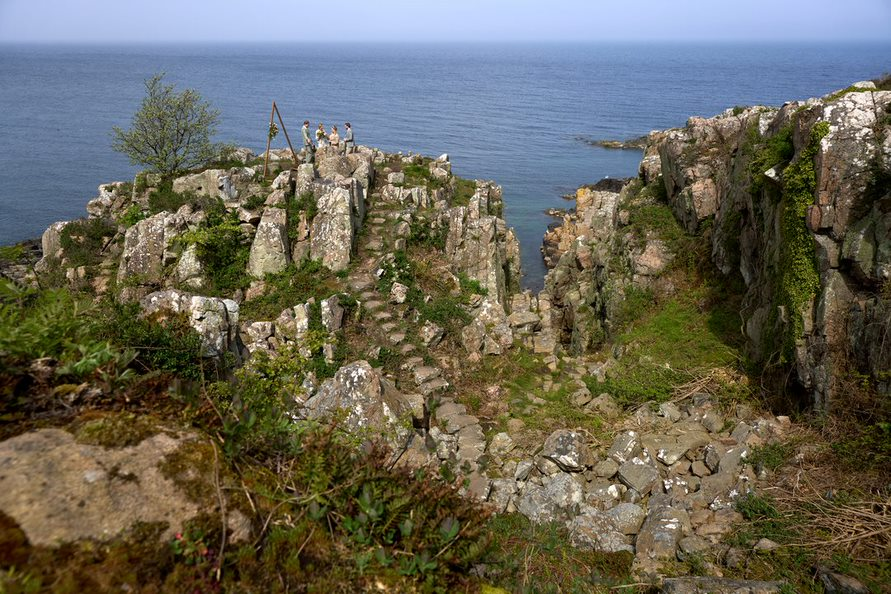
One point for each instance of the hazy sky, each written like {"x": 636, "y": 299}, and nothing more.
{"x": 103, "y": 21}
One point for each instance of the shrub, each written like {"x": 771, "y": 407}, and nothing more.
{"x": 172, "y": 346}
{"x": 163, "y": 198}
{"x": 403, "y": 527}
{"x": 464, "y": 189}
{"x": 776, "y": 150}
{"x": 419, "y": 175}
{"x": 83, "y": 240}
{"x": 222, "y": 249}
{"x": 131, "y": 216}
{"x": 423, "y": 233}
{"x": 398, "y": 270}
{"x": 54, "y": 323}
{"x": 296, "y": 284}
{"x": 305, "y": 203}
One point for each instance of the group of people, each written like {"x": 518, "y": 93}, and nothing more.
{"x": 323, "y": 139}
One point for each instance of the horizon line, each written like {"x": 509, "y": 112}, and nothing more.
{"x": 193, "y": 42}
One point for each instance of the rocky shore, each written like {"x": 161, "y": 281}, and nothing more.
{"x": 414, "y": 299}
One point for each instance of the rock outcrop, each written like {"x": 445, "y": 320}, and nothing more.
{"x": 99, "y": 492}
{"x": 810, "y": 239}
{"x": 798, "y": 204}
{"x": 270, "y": 250}
{"x": 232, "y": 186}
{"x": 333, "y": 231}
{"x": 482, "y": 246}
{"x": 371, "y": 404}
{"x": 214, "y": 319}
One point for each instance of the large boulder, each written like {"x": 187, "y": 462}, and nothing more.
{"x": 568, "y": 450}
{"x": 58, "y": 490}
{"x": 214, "y": 319}
{"x": 489, "y": 332}
{"x": 594, "y": 530}
{"x": 51, "y": 240}
{"x": 150, "y": 246}
{"x": 232, "y": 186}
{"x": 371, "y": 406}
{"x": 270, "y": 250}
{"x": 111, "y": 201}
{"x": 556, "y": 501}
{"x": 333, "y": 229}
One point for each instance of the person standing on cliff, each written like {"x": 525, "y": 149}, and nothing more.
{"x": 308, "y": 148}
{"x": 321, "y": 136}
{"x": 349, "y": 145}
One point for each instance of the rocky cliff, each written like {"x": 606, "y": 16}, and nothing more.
{"x": 373, "y": 299}
{"x": 795, "y": 201}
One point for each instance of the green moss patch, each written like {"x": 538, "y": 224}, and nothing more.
{"x": 539, "y": 558}
{"x": 798, "y": 278}
{"x": 116, "y": 430}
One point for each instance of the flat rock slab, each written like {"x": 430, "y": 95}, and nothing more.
{"x": 568, "y": 450}
{"x": 638, "y": 475}
{"x": 433, "y": 386}
{"x": 457, "y": 422}
{"x": 59, "y": 490}
{"x": 450, "y": 408}
{"x": 424, "y": 374}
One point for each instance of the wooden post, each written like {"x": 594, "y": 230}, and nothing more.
{"x": 285, "y": 130}
{"x": 269, "y": 139}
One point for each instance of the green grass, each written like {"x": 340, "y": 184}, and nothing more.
{"x": 539, "y": 558}
{"x": 869, "y": 447}
{"x": 464, "y": 189}
{"x": 419, "y": 175}
{"x": 771, "y": 456}
{"x": 669, "y": 345}
{"x": 843, "y": 92}
{"x": 292, "y": 286}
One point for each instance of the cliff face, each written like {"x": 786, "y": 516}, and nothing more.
{"x": 796, "y": 200}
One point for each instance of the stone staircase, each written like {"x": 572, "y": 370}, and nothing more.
{"x": 451, "y": 434}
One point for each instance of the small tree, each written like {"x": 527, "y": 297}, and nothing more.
{"x": 171, "y": 131}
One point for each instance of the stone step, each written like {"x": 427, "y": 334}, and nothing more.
{"x": 373, "y": 305}
{"x": 382, "y": 315}
{"x": 456, "y": 423}
{"x": 411, "y": 363}
{"x": 424, "y": 374}
{"x": 408, "y": 348}
{"x": 448, "y": 408}
{"x": 396, "y": 338}
{"x": 361, "y": 282}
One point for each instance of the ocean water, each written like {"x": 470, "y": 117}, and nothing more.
{"x": 512, "y": 113}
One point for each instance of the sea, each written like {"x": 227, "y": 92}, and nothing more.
{"x": 519, "y": 114}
